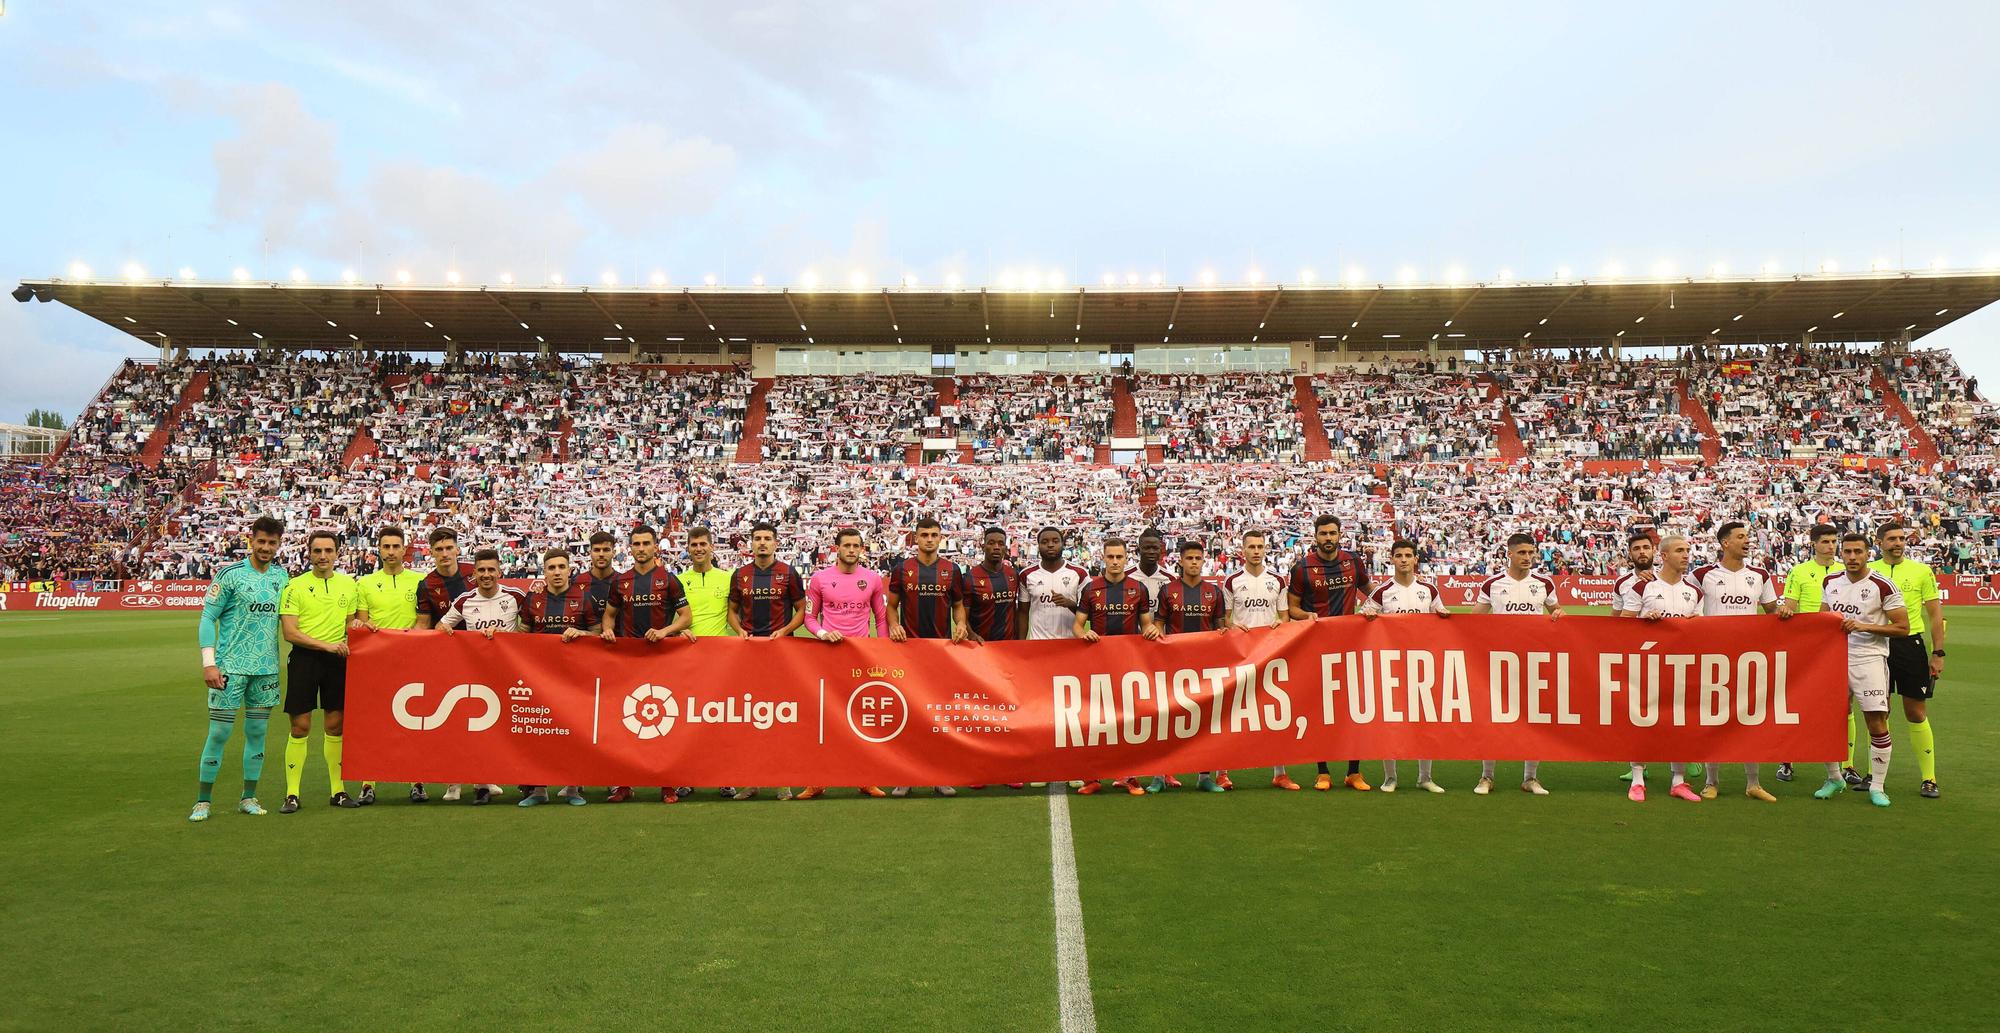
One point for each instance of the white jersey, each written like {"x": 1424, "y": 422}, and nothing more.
{"x": 1535, "y": 593}
{"x": 1039, "y": 587}
{"x": 1869, "y": 601}
{"x": 1156, "y": 580}
{"x": 1727, "y": 592}
{"x": 1672, "y": 599}
{"x": 1625, "y": 592}
{"x": 474, "y": 612}
{"x": 1254, "y": 600}
{"x": 1419, "y": 596}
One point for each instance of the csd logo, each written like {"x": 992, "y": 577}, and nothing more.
{"x": 400, "y": 706}
{"x": 877, "y": 711}
{"x": 650, "y": 711}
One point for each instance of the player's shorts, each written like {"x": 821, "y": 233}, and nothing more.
{"x": 1868, "y": 683}
{"x": 318, "y": 681}
{"x": 244, "y": 690}
{"x": 1910, "y": 667}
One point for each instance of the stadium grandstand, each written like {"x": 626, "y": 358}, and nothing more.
{"x": 531, "y": 416}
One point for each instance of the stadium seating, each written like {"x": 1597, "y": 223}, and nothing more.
{"x": 168, "y": 464}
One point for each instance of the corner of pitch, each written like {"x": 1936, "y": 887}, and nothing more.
{"x": 1108, "y": 709}
{"x": 1704, "y": 689}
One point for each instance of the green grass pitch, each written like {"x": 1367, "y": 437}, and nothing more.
{"x": 1256, "y": 910}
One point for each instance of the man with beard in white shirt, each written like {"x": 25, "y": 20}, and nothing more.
{"x": 1405, "y": 593}
{"x": 1732, "y": 587}
{"x": 1873, "y": 612}
{"x": 1517, "y": 590}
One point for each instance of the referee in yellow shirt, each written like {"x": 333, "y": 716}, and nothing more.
{"x": 707, "y": 589}
{"x": 313, "y": 614}
{"x": 389, "y": 602}
{"x": 1913, "y": 669}
{"x": 1802, "y": 595}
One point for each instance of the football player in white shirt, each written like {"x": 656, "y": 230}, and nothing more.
{"x": 1731, "y": 587}
{"x": 1524, "y": 592}
{"x": 1405, "y": 593}
{"x": 489, "y": 607}
{"x": 1050, "y": 590}
{"x": 1640, "y": 552}
{"x": 1255, "y": 596}
{"x": 1672, "y": 594}
{"x": 1872, "y": 612}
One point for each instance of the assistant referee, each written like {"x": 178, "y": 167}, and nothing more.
{"x": 1913, "y": 669}
{"x": 314, "y": 612}
{"x": 389, "y": 602}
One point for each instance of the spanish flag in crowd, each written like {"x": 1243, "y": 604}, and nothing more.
{"x": 1737, "y": 368}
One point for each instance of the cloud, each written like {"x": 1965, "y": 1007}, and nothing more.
{"x": 640, "y": 177}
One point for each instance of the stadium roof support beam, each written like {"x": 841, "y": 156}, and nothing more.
{"x": 1173, "y": 314}
{"x": 1355, "y": 323}
{"x": 895, "y": 325}
{"x": 1466, "y": 304}
{"x": 985, "y": 316}
{"x": 1265, "y": 316}
{"x": 1566, "y": 299}
{"x": 504, "y": 307}
{"x": 1078, "y": 321}
{"x": 797, "y": 316}
{"x": 631, "y": 339}
{"x": 710, "y": 323}
{"x": 354, "y": 339}
{"x": 188, "y": 296}
{"x": 414, "y": 314}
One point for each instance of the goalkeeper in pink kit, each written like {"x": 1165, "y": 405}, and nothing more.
{"x": 845, "y": 600}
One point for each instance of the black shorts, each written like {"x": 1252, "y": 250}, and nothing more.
{"x": 315, "y": 681}
{"x": 1910, "y": 668}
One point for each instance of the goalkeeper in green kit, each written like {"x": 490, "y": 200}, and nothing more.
{"x": 239, "y": 660}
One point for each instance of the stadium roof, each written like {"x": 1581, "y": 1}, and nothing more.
{"x": 1862, "y": 307}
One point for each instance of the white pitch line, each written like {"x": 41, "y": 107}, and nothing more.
{"x": 1077, "y": 1011}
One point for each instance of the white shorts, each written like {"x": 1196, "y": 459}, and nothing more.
{"x": 1868, "y": 683}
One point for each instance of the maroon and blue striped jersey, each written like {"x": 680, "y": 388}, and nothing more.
{"x": 603, "y": 589}
{"x": 925, "y": 595}
{"x": 766, "y": 596}
{"x": 548, "y": 614}
{"x": 436, "y": 591}
{"x": 991, "y": 600}
{"x": 1114, "y": 607}
{"x": 1183, "y": 608}
{"x": 647, "y": 601}
{"x": 1329, "y": 588}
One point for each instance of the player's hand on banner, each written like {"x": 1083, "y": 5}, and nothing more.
{"x": 897, "y": 634}
{"x": 362, "y": 622}
{"x": 1555, "y": 615}
{"x": 830, "y": 636}
{"x": 338, "y": 649}
{"x": 1369, "y": 613}
{"x": 1849, "y": 625}
{"x": 1089, "y": 635}
{"x": 212, "y": 677}
{"x": 1153, "y": 633}
{"x": 1788, "y": 609}
{"x": 488, "y": 632}
{"x": 607, "y": 635}
{"x": 653, "y": 635}
{"x": 958, "y": 634}
{"x": 685, "y": 634}
{"x": 571, "y": 634}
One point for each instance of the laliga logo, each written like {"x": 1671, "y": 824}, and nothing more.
{"x": 650, "y": 711}
{"x": 876, "y": 710}
{"x": 400, "y": 706}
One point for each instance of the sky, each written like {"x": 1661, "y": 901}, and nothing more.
{"x": 765, "y": 139}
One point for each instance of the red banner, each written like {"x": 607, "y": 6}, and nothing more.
{"x": 431, "y": 707}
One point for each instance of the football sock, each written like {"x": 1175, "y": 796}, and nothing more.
{"x": 1711, "y": 773}
{"x": 1530, "y": 769}
{"x": 1680, "y": 770}
{"x": 329, "y": 749}
{"x": 1486, "y": 768}
{"x": 1353, "y": 767}
{"x": 1854, "y": 760}
{"x": 1639, "y": 774}
{"x": 1920, "y": 737}
{"x": 1277, "y": 769}
{"x": 1388, "y": 771}
{"x": 1423, "y": 771}
{"x": 256, "y": 723}
{"x": 219, "y": 724}
{"x": 295, "y": 764}
{"x": 1833, "y": 769}
{"x": 1752, "y": 777}
{"x": 1878, "y": 762}
{"x": 1322, "y": 768}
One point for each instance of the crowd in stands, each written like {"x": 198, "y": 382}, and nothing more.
{"x": 1947, "y": 403}
{"x": 482, "y": 447}
{"x": 1033, "y": 418}
{"x": 862, "y": 418}
{"x": 1798, "y": 403}
{"x": 1221, "y": 418}
{"x": 1407, "y": 416}
{"x": 1597, "y": 409}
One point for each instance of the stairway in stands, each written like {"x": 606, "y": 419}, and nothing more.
{"x": 1124, "y": 412}
{"x": 1711, "y": 443}
{"x": 1509, "y": 440}
{"x": 751, "y": 448}
{"x": 1318, "y": 447}
{"x": 156, "y": 445}
{"x": 563, "y": 432}
{"x": 1922, "y": 448}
